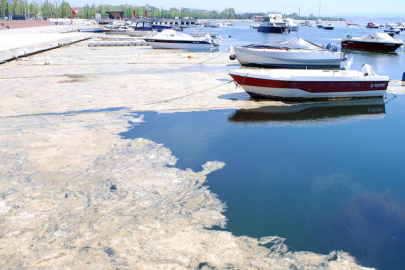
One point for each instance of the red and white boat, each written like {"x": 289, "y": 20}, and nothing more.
{"x": 372, "y": 25}
{"x": 284, "y": 84}
{"x": 372, "y": 42}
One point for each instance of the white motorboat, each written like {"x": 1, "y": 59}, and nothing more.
{"x": 296, "y": 52}
{"x": 372, "y": 42}
{"x": 273, "y": 24}
{"x": 170, "y": 39}
{"x": 288, "y": 84}
{"x": 215, "y": 24}
{"x": 291, "y": 25}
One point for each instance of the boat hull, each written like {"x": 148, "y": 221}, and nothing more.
{"x": 91, "y": 30}
{"x": 272, "y": 29}
{"x": 172, "y": 44}
{"x": 310, "y": 90}
{"x": 140, "y": 33}
{"x": 293, "y": 27}
{"x": 370, "y": 46}
{"x": 284, "y": 58}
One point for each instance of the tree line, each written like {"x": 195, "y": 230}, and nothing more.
{"x": 44, "y": 9}
{"x": 295, "y": 16}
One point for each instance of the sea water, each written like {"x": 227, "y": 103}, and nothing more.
{"x": 324, "y": 175}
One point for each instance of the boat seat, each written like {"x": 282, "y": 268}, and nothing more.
{"x": 367, "y": 70}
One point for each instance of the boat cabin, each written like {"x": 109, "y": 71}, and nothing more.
{"x": 142, "y": 26}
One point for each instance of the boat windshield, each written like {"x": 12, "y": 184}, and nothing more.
{"x": 295, "y": 43}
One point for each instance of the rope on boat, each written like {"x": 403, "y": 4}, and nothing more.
{"x": 237, "y": 84}
{"x": 202, "y": 91}
{"x": 112, "y": 112}
{"x": 205, "y": 60}
{"x": 388, "y": 100}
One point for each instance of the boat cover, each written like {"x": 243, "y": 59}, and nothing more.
{"x": 179, "y": 37}
{"x": 295, "y": 43}
{"x": 379, "y": 37}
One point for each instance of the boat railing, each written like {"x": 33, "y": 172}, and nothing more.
{"x": 354, "y": 24}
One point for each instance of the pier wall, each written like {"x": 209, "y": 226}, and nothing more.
{"x": 22, "y": 51}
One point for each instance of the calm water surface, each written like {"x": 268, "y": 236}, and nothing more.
{"x": 326, "y": 176}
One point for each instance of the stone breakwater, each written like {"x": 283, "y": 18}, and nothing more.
{"x": 75, "y": 195}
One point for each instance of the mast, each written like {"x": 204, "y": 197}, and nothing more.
{"x": 319, "y": 11}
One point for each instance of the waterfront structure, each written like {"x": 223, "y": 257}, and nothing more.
{"x": 115, "y": 14}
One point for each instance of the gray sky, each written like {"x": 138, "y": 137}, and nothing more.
{"x": 328, "y": 7}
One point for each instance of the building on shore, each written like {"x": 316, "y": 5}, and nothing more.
{"x": 115, "y": 14}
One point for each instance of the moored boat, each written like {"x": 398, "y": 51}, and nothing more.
{"x": 372, "y": 42}
{"x": 291, "y": 25}
{"x": 372, "y": 25}
{"x": 91, "y": 30}
{"x": 329, "y": 27}
{"x": 170, "y": 39}
{"x": 296, "y": 53}
{"x": 392, "y": 30}
{"x": 141, "y": 29}
{"x": 283, "y": 84}
{"x": 273, "y": 24}
{"x": 318, "y": 23}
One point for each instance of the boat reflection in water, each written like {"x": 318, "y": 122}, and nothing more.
{"x": 312, "y": 113}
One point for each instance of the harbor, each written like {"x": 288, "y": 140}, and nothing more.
{"x": 129, "y": 157}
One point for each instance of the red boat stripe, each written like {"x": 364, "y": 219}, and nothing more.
{"x": 314, "y": 87}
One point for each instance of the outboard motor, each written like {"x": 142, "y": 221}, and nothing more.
{"x": 367, "y": 70}
{"x": 332, "y": 47}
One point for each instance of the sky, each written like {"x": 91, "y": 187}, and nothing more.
{"x": 305, "y": 7}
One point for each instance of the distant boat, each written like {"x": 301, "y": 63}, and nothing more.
{"x": 372, "y": 25}
{"x": 329, "y": 27}
{"x": 393, "y": 30}
{"x": 296, "y": 53}
{"x": 215, "y": 24}
{"x": 91, "y": 30}
{"x": 289, "y": 84}
{"x": 372, "y": 42}
{"x": 291, "y": 25}
{"x": 273, "y": 24}
{"x": 318, "y": 23}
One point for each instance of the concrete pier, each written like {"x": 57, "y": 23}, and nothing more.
{"x": 17, "y": 43}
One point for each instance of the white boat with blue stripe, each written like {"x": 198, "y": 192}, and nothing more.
{"x": 170, "y": 39}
